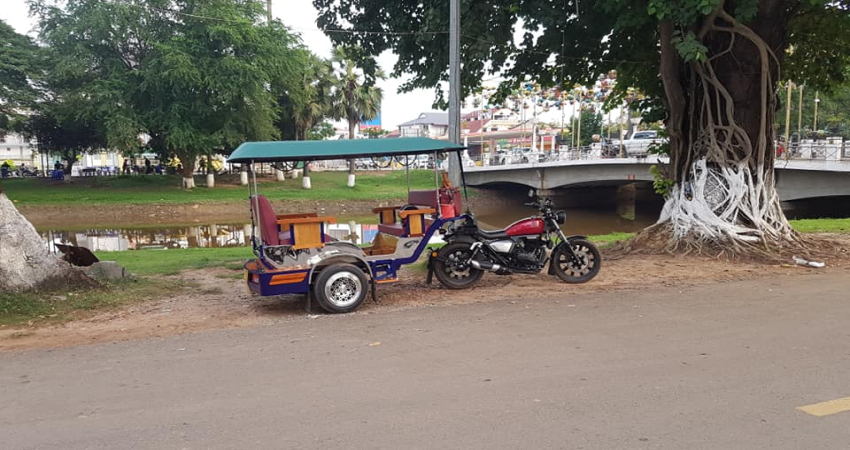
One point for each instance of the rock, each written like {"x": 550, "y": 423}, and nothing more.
{"x": 25, "y": 262}
{"x": 107, "y": 271}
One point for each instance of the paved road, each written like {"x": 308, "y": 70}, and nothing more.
{"x": 721, "y": 367}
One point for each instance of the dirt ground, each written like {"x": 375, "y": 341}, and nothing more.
{"x": 224, "y": 303}
{"x": 134, "y": 216}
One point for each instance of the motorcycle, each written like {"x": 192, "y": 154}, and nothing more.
{"x": 524, "y": 247}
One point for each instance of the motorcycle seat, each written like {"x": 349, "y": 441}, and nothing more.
{"x": 493, "y": 234}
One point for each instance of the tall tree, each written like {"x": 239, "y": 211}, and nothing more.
{"x": 356, "y": 96}
{"x": 60, "y": 133}
{"x": 194, "y": 76}
{"x": 709, "y": 68}
{"x": 19, "y": 61}
{"x": 26, "y": 262}
{"x": 308, "y": 106}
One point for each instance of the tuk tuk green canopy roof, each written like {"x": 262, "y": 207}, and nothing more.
{"x": 337, "y": 149}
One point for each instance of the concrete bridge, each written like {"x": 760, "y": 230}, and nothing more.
{"x": 796, "y": 179}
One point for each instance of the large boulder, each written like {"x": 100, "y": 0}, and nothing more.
{"x": 25, "y": 262}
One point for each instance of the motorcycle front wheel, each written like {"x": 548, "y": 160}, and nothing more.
{"x": 578, "y": 268}
{"x": 452, "y": 266}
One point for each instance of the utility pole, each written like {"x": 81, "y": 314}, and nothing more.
{"x": 789, "y": 85}
{"x": 269, "y": 10}
{"x": 454, "y": 87}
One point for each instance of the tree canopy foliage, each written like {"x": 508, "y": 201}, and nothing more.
{"x": 563, "y": 43}
{"x": 192, "y": 76}
{"x": 709, "y": 68}
{"x": 19, "y": 61}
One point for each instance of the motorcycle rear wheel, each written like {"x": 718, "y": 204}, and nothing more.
{"x": 451, "y": 269}
{"x": 580, "y": 268}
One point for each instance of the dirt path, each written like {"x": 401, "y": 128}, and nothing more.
{"x": 224, "y": 303}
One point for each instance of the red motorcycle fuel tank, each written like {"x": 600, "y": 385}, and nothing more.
{"x": 525, "y": 227}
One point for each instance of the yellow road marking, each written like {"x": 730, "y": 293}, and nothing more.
{"x": 826, "y": 408}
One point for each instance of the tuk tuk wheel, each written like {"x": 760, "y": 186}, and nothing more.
{"x": 341, "y": 288}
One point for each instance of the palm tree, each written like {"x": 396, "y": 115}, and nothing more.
{"x": 314, "y": 103}
{"x": 356, "y": 98}
{"x": 307, "y": 105}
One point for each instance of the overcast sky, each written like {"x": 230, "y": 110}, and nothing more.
{"x": 301, "y": 16}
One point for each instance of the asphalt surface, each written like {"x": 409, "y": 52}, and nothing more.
{"x": 715, "y": 367}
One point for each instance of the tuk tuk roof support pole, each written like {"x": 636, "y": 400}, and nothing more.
{"x": 437, "y": 183}
{"x": 256, "y": 199}
{"x": 254, "y": 206}
{"x": 462, "y": 179}
{"x": 454, "y": 84}
{"x": 407, "y": 172}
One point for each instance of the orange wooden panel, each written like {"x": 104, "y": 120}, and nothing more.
{"x": 296, "y": 216}
{"x": 381, "y": 208}
{"x": 317, "y": 220}
{"x": 386, "y": 214}
{"x": 410, "y": 212}
{"x": 415, "y": 224}
{"x": 287, "y": 278}
{"x": 306, "y": 235}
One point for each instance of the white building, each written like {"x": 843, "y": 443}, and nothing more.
{"x": 19, "y": 150}
{"x": 429, "y": 124}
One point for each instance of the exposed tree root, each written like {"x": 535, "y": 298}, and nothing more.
{"x": 659, "y": 239}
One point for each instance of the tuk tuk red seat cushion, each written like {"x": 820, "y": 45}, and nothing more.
{"x": 271, "y": 232}
{"x": 429, "y": 198}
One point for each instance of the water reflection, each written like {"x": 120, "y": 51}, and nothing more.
{"x": 117, "y": 239}
{"x": 579, "y": 221}
{"x": 197, "y": 236}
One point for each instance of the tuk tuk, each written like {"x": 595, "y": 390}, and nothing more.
{"x": 295, "y": 255}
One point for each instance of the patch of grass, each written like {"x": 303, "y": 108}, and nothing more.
{"x": 63, "y": 305}
{"x": 822, "y": 225}
{"x": 165, "y": 189}
{"x": 172, "y": 261}
{"x": 610, "y": 238}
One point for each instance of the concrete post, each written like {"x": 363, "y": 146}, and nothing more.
{"x": 454, "y": 87}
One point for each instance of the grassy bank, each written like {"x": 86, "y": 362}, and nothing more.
{"x": 170, "y": 262}
{"x": 67, "y": 304}
{"x": 822, "y": 225}
{"x": 165, "y": 189}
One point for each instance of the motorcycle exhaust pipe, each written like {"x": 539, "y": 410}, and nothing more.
{"x": 485, "y": 265}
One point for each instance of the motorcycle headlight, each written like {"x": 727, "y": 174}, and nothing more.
{"x": 560, "y": 217}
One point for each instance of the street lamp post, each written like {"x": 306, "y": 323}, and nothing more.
{"x": 788, "y": 86}
{"x": 817, "y": 100}
{"x": 800, "y": 117}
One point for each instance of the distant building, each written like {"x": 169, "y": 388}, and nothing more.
{"x": 428, "y": 124}
{"x": 19, "y": 150}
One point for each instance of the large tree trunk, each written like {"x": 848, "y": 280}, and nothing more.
{"x": 69, "y": 164}
{"x": 721, "y": 112}
{"x": 188, "y": 161}
{"x": 25, "y": 262}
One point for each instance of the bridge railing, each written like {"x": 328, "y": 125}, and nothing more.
{"x": 831, "y": 149}
{"x": 822, "y": 150}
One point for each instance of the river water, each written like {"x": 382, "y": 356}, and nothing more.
{"x": 579, "y": 221}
